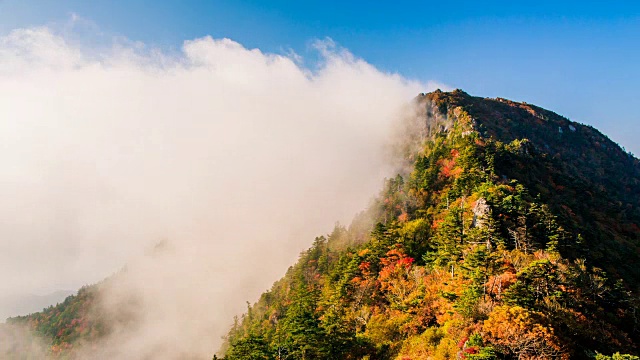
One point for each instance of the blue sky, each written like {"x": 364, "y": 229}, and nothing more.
{"x": 577, "y": 58}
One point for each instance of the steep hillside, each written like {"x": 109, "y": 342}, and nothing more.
{"x": 67, "y": 322}
{"x": 59, "y": 330}
{"x": 514, "y": 235}
{"x": 589, "y": 182}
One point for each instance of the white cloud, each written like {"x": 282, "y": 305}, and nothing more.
{"x": 237, "y": 157}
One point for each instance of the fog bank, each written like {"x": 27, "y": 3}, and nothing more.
{"x": 235, "y": 158}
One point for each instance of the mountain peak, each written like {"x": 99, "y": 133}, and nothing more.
{"x": 510, "y": 215}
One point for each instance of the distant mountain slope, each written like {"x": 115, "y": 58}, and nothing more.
{"x": 66, "y": 323}
{"x": 514, "y": 236}
{"x": 26, "y": 304}
{"x": 61, "y": 330}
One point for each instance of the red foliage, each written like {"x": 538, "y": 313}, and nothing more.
{"x": 446, "y": 166}
{"x": 471, "y": 350}
{"x": 365, "y": 267}
{"x": 396, "y": 257}
{"x": 395, "y": 262}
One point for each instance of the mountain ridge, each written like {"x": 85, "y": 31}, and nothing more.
{"x": 559, "y": 236}
{"x": 512, "y": 234}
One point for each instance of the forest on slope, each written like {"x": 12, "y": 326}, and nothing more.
{"x": 514, "y": 235}
{"x": 59, "y": 330}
